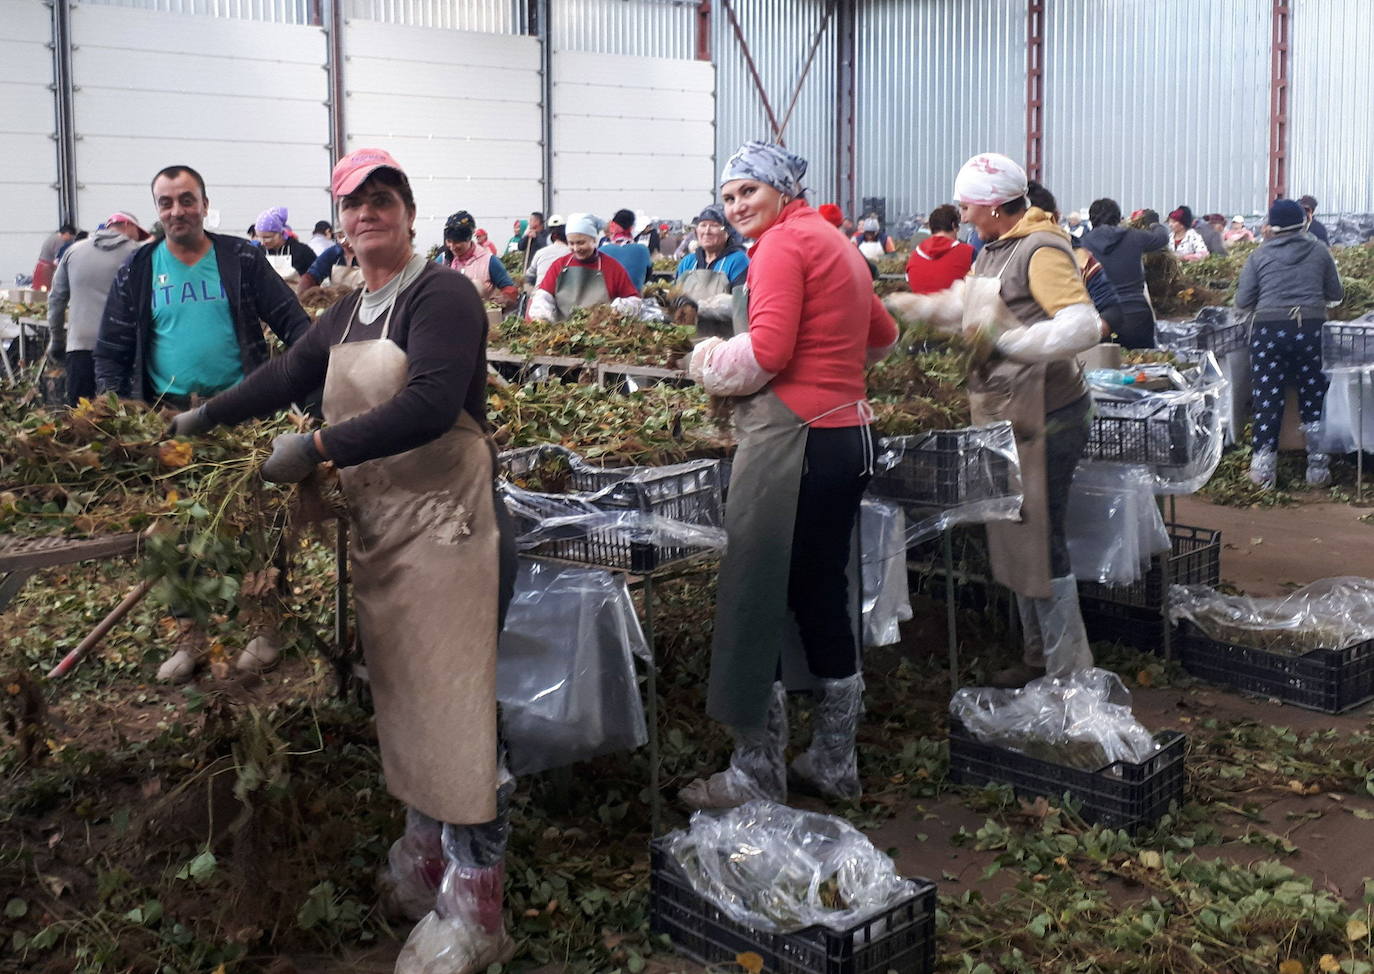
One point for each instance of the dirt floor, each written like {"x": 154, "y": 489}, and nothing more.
{"x": 1266, "y": 551}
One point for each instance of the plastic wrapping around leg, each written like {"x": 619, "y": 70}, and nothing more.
{"x": 830, "y": 765}
{"x": 414, "y": 867}
{"x": 466, "y": 931}
{"x": 757, "y": 768}
{"x": 1318, "y": 463}
{"x": 1066, "y": 642}
{"x": 1032, "y": 665}
{"x": 1264, "y": 468}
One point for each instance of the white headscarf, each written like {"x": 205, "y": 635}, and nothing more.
{"x": 583, "y": 223}
{"x": 989, "y": 179}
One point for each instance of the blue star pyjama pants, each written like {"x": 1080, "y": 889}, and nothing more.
{"x": 1283, "y": 353}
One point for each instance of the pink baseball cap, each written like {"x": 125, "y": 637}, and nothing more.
{"x": 353, "y": 169}
{"x": 119, "y": 216}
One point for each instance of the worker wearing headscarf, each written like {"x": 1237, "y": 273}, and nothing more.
{"x": 795, "y": 368}
{"x": 709, "y": 275}
{"x": 583, "y": 278}
{"x": 290, "y": 257}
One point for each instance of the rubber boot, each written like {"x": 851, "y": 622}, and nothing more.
{"x": 190, "y": 648}
{"x": 1318, "y": 463}
{"x": 1061, "y": 623}
{"x": 1032, "y": 665}
{"x": 757, "y": 766}
{"x": 1264, "y": 468}
{"x": 414, "y": 866}
{"x": 830, "y": 766}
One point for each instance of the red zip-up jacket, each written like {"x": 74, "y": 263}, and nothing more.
{"x": 936, "y": 263}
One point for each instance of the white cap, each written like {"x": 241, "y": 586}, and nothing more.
{"x": 583, "y": 223}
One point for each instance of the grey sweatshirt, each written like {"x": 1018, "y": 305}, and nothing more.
{"x": 81, "y": 284}
{"x": 1293, "y": 270}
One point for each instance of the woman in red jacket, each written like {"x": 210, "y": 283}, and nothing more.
{"x": 796, "y": 370}
{"x": 942, "y": 258}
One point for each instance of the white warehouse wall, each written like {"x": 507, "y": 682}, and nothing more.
{"x": 28, "y": 180}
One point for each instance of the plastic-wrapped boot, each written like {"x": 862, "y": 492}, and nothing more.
{"x": 1318, "y": 463}
{"x": 1032, "y": 665}
{"x": 1061, "y": 623}
{"x": 466, "y": 931}
{"x": 1264, "y": 468}
{"x": 757, "y": 766}
{"x": 191, "y": 647}
{"x": 830, "y": 766}
{"x": 261, "y": 654}
{"x": 414, "y": 868}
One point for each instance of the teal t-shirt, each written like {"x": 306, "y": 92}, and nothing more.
{"x": 194, "y": 348}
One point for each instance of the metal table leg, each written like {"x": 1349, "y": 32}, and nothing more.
{"x": 655, "y": 798}
{"x": 1359, "y": 437}
{"x": 947, "y": 544}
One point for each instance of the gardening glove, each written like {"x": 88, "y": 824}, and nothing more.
{"x": 193, "y": 422}
{"x": 57, "y": 346}
{"x": 293, "y": 458}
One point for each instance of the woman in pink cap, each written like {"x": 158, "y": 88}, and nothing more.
{"x": 403, "y": 365}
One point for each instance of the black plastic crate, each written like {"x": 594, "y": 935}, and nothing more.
{"x": 1122, "y": 795}
{"x": 941, "y": 468}
{"x": 1194, "y": 559}
{"x": 1155, "y": 432}
{"x": 900, "y": 938}
{"x": 1329, "y": 680}
{"x": 613, "y": 548}
{"x": 1132, "y": 625}
{"x": 1215, "y": 330}
{"x": 1347, "y": 344}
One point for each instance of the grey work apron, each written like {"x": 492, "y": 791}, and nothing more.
{"x": 754, "y": 628}
{"x": 1000, "y": 389}
{"x": 579, "y": 287}
{"x": 425, "y": 573}
{"x": 699, "y": 284}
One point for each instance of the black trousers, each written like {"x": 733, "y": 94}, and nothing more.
{"x": 1137, "y": 327}
{"x": 1066, "y": 436}
{"x": 80, "y": 368}
{"x": 832, "y": 485}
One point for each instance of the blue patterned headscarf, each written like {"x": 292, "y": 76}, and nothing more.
{"x": 768, "y": 163}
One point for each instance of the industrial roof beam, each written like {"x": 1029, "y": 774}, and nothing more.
{"x": 845, "y": 56}
{"x": 1035, "y": 89}
{"x": 1278, "y": 99}
{"x": 704, "y": 30}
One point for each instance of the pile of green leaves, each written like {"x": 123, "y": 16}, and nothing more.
{"x": 912, "y": 393}
{"x": 597, "y": 333}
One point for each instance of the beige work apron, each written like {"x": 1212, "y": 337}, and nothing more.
{"x": 425, "y": 570}
{"x": 702, "y": 283}
{"x": 1019, "y": 551}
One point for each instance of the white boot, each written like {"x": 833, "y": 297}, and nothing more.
{"x": 190, "y": 648}
{"x": 1264, "y": 468}
{"x": 830, "y": 766}
{"x": 757, "y": 766}
{"x": 1066, "y": 641}
{"x": 1318, "y": 463}
{"x": 1032, "y": 665}
{"x": 261, "y": 654}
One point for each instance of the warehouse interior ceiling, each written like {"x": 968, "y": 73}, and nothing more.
{"x": 511, "y": 105}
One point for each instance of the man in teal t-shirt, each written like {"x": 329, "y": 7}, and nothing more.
{"x": 194, "y": 348}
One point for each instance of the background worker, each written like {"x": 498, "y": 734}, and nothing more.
{"x": 288, "y": 255}
{"x": 337, "y": 266}
{"x": 80, "y": 289}
{"x": 796, "y": 371}
{"x": 557, "y": 247}
{"x": 1120, "y": 250}
{"x": 403, "y": 366}
{"x": 582, "y": 278}
{"x": 942, "y": 258}
{"x": 46, "y": 265}
{"x": 709, "y": 275}
{"x": 476, "y": 263}
{"x": 635, "y": 257}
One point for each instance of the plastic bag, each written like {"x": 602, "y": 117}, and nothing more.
{"x": 778, "y": 869}
{"x": 887, "y": 596}
{"x": 1331, "y": 613}
{"x": 943, "y": 478}
{"x": 1348, "y": 411}
{"x": 565, "y": 673}
{"x": 1084, "y": 721}
{"x": 1176, "y": 432}
{"x": 1114, "y": 524}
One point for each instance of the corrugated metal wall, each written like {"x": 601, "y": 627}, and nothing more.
{"x": 1160, "y": 103}
{"x": 1331, "y": 133}
{"x": 779, "y": 33}
{"x": 483, "y": 16}
{"x": 938, "y": 82}
{"x": 642, "y": 28}
{"x": 269, "y": 11}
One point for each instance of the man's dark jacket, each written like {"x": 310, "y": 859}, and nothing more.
{"x": 256, "y": 294}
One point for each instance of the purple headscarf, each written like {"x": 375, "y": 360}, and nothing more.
{"x": 272, "y": 221}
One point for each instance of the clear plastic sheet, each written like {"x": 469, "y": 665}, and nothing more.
{"x": 1114, "y": 524}
{"x": 944, "y": 478}
{"x": 887, "y": 596}
{"x": 621, "y": 527}
{"x": 775, "y": 868}
{"x": 1083, "y": 721}
{"x": 1331, "y": 613}
{"x": 1348, "y": 410}
{"x": 1176, "y": 432}
{"x": 565, "y": 673}
{"x": 1350, "y": 229}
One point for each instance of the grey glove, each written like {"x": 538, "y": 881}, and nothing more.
{"x": 193, "y": 422}
{"x": 293, "y": 457}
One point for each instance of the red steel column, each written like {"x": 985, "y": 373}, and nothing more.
{"x": 1035, "y": 88}
{"x": 1278, "y": 100}
{"x": 704, "y": 30}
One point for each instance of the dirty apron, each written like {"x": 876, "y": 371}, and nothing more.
{"x": 999, "y": 389}
{"x": 425, "y": 570}
{"x": 281, "y": 263}
{"x": 754, "y": 627}
{"x": 349, "y": 277}
{"x": 699, "y": 284}
{"x": 580, "y": 287}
